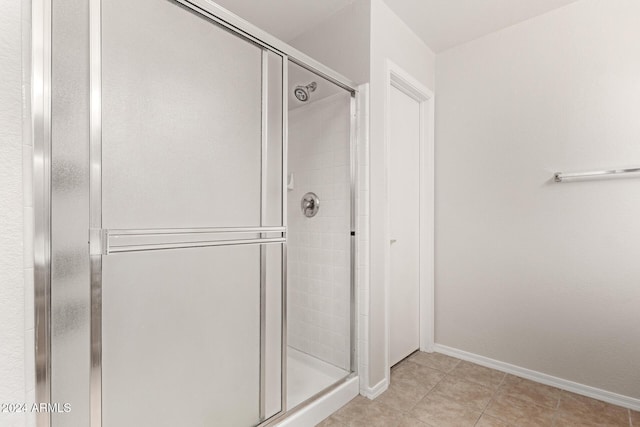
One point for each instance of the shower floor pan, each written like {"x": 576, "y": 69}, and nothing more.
{"x": 307, "y": 375}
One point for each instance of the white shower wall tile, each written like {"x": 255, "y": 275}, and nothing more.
{"x": 319, "y": 247}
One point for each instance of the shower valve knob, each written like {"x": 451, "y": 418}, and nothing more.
{"x": 310, "y": 204}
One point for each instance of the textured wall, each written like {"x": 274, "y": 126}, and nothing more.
{"x": 12, "y": 327}
{"x": 542, "y": 275}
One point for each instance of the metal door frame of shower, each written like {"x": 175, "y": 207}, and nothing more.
{"x": 353, "y": 135}
{"x": 41, "y": 120}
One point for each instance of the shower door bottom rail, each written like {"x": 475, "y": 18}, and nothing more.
{"x": 109, "y": 241}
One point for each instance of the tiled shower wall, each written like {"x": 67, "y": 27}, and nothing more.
{"x": 319, "y": 247}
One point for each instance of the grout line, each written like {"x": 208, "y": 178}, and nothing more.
{"x": 555, "y": 417}
{"x": 630, "y": 422}
{"x": 491, "y": 399}
{"x": 556, "y": 412}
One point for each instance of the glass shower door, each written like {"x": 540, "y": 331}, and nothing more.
{"x": 187, "y": 287}
{"x": 321, "y": 235}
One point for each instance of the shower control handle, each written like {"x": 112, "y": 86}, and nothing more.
{"x": 310, "y": 205}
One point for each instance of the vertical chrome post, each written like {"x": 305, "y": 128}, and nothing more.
{"x": 285, "y": 170}
{"x": 95, "y": 196}
{"x": 283, "y": 301}
{"x": 354, "y": 243}
{"x": 263, "y": 248}
{"x": 41, "y": 127}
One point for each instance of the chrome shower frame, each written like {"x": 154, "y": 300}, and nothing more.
{"x": 41, "y": 131}
{"x": 41, "y": 123}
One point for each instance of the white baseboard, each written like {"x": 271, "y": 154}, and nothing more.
{"x": 585, "y": 390}
{"x": 376, "y": 390}
{"x": 323, "y": 407}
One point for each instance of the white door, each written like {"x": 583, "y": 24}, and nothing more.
{"x": 404, "y": 211}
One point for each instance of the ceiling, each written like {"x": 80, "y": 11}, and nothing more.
{"x": 284, "y": 19}
{"x": 441, "y": 24}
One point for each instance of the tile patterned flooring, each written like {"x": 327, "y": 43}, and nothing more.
{"x": 434, "y": 390}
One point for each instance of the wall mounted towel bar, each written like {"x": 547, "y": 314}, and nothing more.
{"x": 561, "y": 176}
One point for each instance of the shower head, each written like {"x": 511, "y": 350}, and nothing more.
{"x": 303, "y": 92}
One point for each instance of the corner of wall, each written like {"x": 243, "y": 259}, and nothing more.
{"x": 348, "y": 28}
{"x": 363, "y": 233}
{"x": 391, "y": 39}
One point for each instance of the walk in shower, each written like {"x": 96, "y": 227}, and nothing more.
{"x": 209, "y": 167}
{"x": 319, "y": 235}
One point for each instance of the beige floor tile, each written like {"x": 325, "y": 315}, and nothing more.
{"x": 355, "y": 409}
{"x": 437, "y": 361}
{"x": 488, "y": 421}
{"x": 478, "y": 374}
{"x": 413, "y": 375}
{"x": 445, "y": 413}
{"x": 463, "y": 392}
{"x": 635, "y": 418}
{"x": 378, "y": 415}
{"x": 403, "y": 397}
{"x": 564, "y": 419}
{"x": 580, "y": 410}
{"x": 520, "y": 413}
{"x": 410, "y": 421}
{"x": 530, "y": 391}
{"x": 331, "y": 422}
{"x": 421, "y": 394}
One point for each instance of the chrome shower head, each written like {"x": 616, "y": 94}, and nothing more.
{"x": 303, "y": 92}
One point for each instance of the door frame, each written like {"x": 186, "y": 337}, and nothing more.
{"x": 397, "y": 77}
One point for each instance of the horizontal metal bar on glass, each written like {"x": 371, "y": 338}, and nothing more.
{"x": 185, "y": 245}
{"x": 162, "y": 231}
{"x": 155, "y": 239}
{"x": 561, "y": 176}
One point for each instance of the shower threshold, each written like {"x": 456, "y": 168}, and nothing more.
{"x": 307, "y": 375}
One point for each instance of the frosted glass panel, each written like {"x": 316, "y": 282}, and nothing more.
{"x": 273, "y": 176}
{"x": 181, "y": 119}
{"x": 273, "y": 329}
{"x": 181, "y": 337}
{"x": 69, "y": 213}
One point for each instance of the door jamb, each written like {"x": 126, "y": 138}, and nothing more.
{"x": 397, "y": 77}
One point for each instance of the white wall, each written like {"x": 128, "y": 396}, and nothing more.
{"x": 341, "y": 41}
{"x": 542, "y": 275}
{"x": 318, "y": 283}
{"x": 12, "y": 263}
{"x": 391, "y": 40}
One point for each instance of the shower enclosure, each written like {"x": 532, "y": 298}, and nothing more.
{"x": 319, "y": 242}
{"x": 210, "y": 166}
